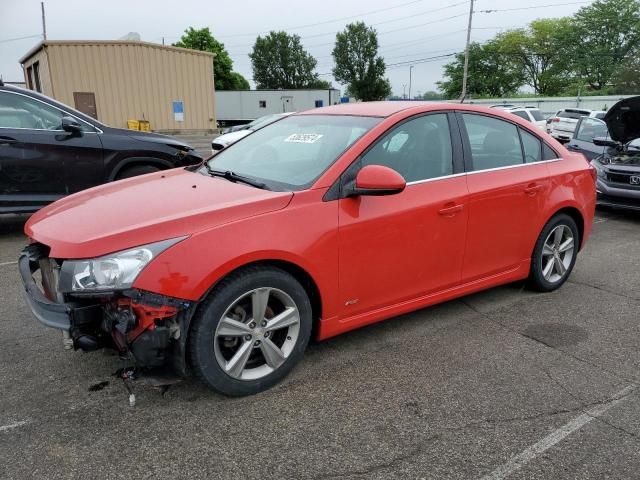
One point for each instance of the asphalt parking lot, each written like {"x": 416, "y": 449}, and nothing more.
{"x": 503, "y": 384}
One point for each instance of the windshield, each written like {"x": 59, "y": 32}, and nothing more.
{"x": 262, "y": 121}
{"x": 572, "y": 114}
{"x": 535, "y": 113}
{"x": 292, "y": 153}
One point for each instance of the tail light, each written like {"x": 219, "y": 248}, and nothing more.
{"x": 555, "y": 119}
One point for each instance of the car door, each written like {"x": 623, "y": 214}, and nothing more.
{"x": 37, "y": 157}
{"x": 507, "y": 183}
{"x": 398, "y": 247}
{"x": 582, "y": 142}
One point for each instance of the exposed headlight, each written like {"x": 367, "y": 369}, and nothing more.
{"x": 115, "y": 271}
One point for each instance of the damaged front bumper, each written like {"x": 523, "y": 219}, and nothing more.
{"x": 148, "y": 327}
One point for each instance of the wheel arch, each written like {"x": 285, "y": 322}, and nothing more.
{"x": 128, "y": 162}
{"x": 299, "y": 273}
{"x": 577, "y": 217}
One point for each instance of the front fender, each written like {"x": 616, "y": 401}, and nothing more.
{"x": 304, "y": 234}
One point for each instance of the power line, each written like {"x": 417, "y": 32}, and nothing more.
{"x": 326, "y": 22}
{"x": 493, "y": 10}
{"x": 437, "y": 20}
{"x": 6, "y": 40}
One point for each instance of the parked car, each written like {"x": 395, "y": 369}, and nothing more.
{"x": 226, "y": 139}
{"x": 49, "y": 150}
{"x": 530, "y": 114}
{"x": 562, "y": 125}
{"x": 587, "y": 129}
{"x": 598, "y": 114}
{"x": 323, "y": 222}
{"x": 613, "y": 146}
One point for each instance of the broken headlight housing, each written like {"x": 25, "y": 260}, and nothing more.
{"x": 116, "y": 271}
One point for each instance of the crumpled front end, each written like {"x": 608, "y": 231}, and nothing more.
{"x": 139, "y": 325}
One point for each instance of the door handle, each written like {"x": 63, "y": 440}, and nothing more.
{"x": 532, "y": 189}
{"x": 450, "y": 210}
{"x": 7, "y": 140}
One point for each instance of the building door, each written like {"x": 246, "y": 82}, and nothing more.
{"x": 86, "y": 103}
{"x": 287, "y": 104}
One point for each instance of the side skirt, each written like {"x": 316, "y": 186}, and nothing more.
{"x": 335, "y": 326}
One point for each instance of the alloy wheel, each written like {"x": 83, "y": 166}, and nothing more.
{"x": 257, "y": 333}
{"x": 557, "y": 253}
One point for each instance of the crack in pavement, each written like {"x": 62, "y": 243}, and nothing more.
{"x": 596, "y": 287}
{"x": 488, "y": 317}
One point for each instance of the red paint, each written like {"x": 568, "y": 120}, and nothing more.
{"x": 371, "y": 257}
{"x": 377, "y": 177}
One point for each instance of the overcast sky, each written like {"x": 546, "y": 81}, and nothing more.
{"x": 408, "y": 30}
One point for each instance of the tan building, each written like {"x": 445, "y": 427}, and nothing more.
{"x": 121, "y": 80}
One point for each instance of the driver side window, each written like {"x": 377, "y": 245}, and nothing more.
{"x": 20, "y": 111}
{"x": 418, "y": 149}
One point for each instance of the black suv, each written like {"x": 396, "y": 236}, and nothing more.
{"x": 49, "y": 150}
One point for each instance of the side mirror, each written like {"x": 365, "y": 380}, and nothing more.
{"x": 376, "y": 180}
{"x": 71, "y": 125}
{"x": 605, "y": 142}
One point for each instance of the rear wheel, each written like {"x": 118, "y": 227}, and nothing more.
{"x": 250, "y": 331}
{"x": 555, "y": 253}
{"x": 136, "y": 170}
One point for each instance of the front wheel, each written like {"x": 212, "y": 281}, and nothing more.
{"x": 250, "y": 331}
{"x": 555, "y": 253}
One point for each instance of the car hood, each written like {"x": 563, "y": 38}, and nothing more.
{"x": 150, "y": 137}
{"x": 623, "y": 120}
{"x": 146, "y": 209}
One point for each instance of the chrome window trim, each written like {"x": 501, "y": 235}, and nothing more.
{"x": 417, "y": 182}
{"x": 514, "y": 166}
{"x": 481, "y": 171}
{"x": 52, "y": 106}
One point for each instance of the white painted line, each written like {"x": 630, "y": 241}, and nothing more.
{"x": 4, "y": 428}
{"x": 558, "y": 435}
{"x": 2, "y": 264}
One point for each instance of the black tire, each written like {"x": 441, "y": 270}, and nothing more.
{"x": 537, "y": 281}
{"x": 205, "y": 322}
{"x": 136, "y": 170}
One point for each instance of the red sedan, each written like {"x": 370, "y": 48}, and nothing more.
{"x": 323, "y": 222}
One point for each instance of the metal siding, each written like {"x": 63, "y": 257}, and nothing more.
{"x": 243, "y": 104}
{"x": 130, "y": 80}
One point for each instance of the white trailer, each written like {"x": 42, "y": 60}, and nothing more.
{"x": 242, "y": 106}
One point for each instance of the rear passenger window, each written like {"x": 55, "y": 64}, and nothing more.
{"x": 418, "y": 149}
{"x": 531, "y": 146}
{"x": 548, "y": 153}
{"x": 494, "y": 143}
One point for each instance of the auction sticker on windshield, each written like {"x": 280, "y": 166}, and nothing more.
{"x": 303, "y": 137}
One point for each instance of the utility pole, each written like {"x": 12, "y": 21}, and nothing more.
{"x": 44, "y": 23}
{"x": 410, "y": 68}
{"x": 162, "y": 40}
{"x": 466, "y": 55}
{"x": 404, "y": 91}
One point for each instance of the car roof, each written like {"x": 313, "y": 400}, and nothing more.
{"x": 370, "y": 109}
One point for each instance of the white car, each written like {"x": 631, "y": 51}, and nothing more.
{"x": 562, "y": 125}
{"x": 223, "y": 141}
{"x": 531, "y": 114}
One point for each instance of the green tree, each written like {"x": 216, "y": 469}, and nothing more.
{"x": 605, "y": 34}
{"x": 280, "y": 61}
{"x": 490, "y": 73}
{"x": 201, "y": 39}
{"x": 541, "y": 52}
{"x": 358, "y": 64}
{"x": 626, "y": 79}
{"x": 431, "y": 95}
